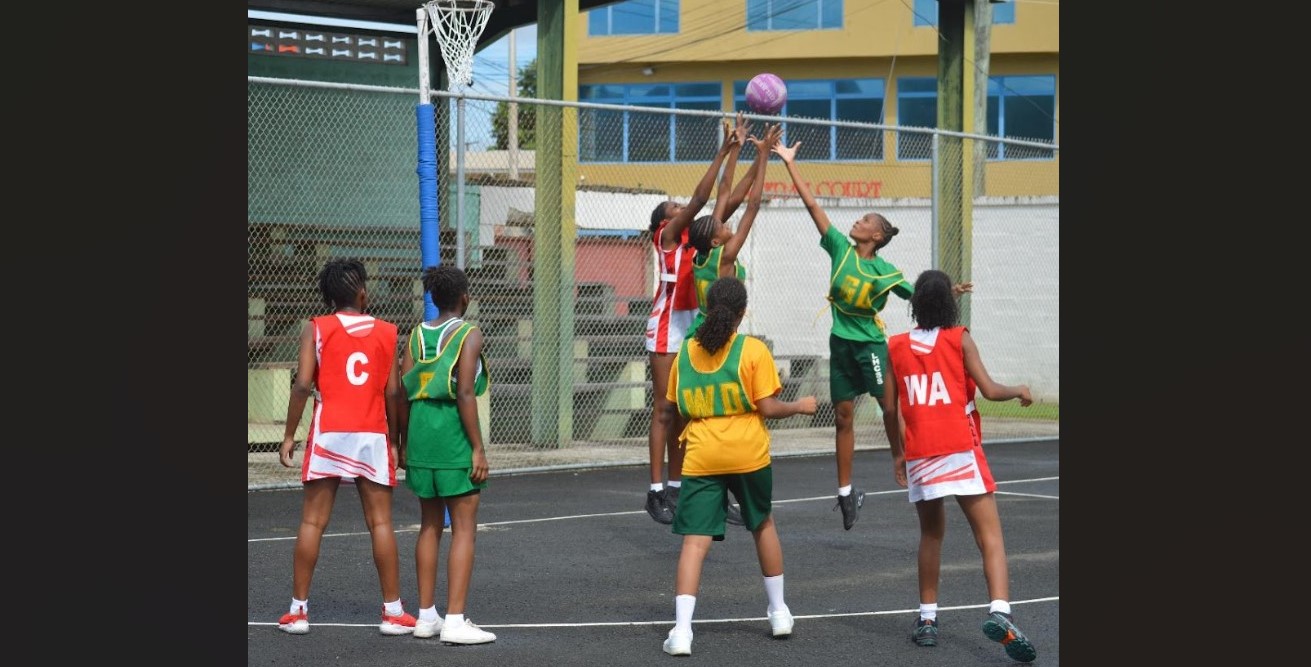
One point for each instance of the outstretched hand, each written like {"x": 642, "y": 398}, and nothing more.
{"x": 788, "y": 153}
{"x": 772, "y": 134}
{"x": 961, "y": 288}
{"x": 741, "y": 129}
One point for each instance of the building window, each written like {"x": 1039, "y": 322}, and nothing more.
{"x": 633, "y": 136}
{"x": 794, "y": 14}
{"x": 926, "y": 12}
{"x": 917, "y": 106}
{"x": 856, "y": 100}
{"x": 634, "y": 17}
{"x": 1021, "y": 107}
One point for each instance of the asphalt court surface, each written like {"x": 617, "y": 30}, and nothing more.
{"x": 570, "y": 570}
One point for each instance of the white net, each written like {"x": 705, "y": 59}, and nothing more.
{"x": 457, "y": 25}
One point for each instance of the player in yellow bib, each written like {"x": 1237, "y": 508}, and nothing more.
{"x": 726, "y": 385}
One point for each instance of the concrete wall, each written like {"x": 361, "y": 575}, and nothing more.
{"x": 1015, "y": 305}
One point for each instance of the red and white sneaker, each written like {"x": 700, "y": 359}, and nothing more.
{"x": 296, "y": 624}
{"x": 396, "y": 625}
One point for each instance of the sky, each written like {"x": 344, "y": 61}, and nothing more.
{"x": 491, "y": 65}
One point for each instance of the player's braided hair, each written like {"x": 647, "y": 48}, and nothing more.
{"x": 340, "y": 280}
{"x": 888, "y": 231}
{"x": 727, "y": 302}
{"x": 933, "y": 305}
{"x": 446, "y": 284}
{"x": 701, "y": 232}
{"x": 658, "y": 215}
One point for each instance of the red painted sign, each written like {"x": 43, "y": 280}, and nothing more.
{"x": 829, "y": 188}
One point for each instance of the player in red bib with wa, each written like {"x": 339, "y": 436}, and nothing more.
{"x": 347, "y": 362}
{"x": 938, "y": 452}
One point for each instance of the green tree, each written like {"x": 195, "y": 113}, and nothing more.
{"x": 527, "y": 113}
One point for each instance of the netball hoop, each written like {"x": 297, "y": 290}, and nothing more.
{"x": 458, "y": 24}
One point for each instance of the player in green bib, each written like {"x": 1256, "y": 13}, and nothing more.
{"x": 444, "y": 371}
{"x": 859, "y": 285}
{"x": 716, "y": 245}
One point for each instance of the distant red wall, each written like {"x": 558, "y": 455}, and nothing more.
{"x": 623, "y": 263}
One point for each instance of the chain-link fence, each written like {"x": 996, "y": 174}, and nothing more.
{"x": 563, "y": 303}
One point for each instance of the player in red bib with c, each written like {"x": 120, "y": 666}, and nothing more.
{"x": 347, "y": 362}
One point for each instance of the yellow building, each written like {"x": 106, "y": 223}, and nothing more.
{"x": 842, "y": 60}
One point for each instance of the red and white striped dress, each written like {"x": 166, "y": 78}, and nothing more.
{"x": 348, "y": 430}
{"x": 674, "y": 306}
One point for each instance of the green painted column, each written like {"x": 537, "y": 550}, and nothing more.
{"x": 554, "y": 230}
{"x": 955, "y": 164}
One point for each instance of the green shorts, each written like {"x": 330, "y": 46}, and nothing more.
{"x": 701, "y": 503}
{"x": 855, "y": 368}
{"x": 441, "y": 482}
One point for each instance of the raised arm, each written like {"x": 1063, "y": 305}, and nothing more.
{"x": 740, "y": 192}
{"x": 737, "y": 138}
{"x": 817, "y": 214}
{"x": 991, "y": 390}
{"x": 731, "y": 248}
{"x": 674, "y": 230}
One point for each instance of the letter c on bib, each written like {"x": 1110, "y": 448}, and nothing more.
{"x": 353, "y": 362}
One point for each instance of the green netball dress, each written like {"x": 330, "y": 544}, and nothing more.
{"x": 705, "y": 270}
{"x": 436, "y": 437}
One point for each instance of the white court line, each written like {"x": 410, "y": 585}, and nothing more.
{"x": 663, "y": 622}
{"x": 624, "y": 513}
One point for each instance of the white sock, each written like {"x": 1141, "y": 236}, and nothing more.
{"x": 394, "y": 608}
{"x": 774, "y": 590}
{"x": 1001, "y": 606}
{"x": 844, "y": 490}
{"x": 684, "y": 605}
{"x": 929, "y": 611}
{"x": 674, "y": 483}
{"x": 299, "y": 605}
{"x": 428, "y": 615}
{"x": 454, "y": 620}
{"x": 657, "y": 487}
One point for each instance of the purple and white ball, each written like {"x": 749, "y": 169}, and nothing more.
{"x": 766, "y": 93}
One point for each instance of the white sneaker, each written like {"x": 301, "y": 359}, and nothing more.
{"x": 780, "y": 623}
{"x": 425, "y": 629}
{"x": 465, "y": 633}
{"x": 678, "y": 643}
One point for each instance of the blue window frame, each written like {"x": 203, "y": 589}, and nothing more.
{"x": 794, "y": 14}
{"x": 917, "y": 106}
{"x": 926, "y": 12}
{"x": 634, "y": 17}
{"x": 857, "y": 100}
{"x": 633, "y": 136}
{"x": 1021, "y": 107}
